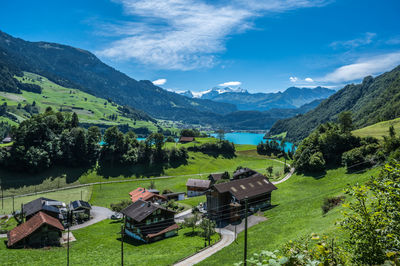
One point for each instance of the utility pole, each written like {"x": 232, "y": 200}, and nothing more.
{"x": 209, "y": 232}
{"x": 81, "y": 194}
{"x": 69, "y": 225}
{"x": 245, "y": 232}
{"x": 13, "y": 203}
{"x": 2, "y": 198}
{"x": 122, "y": 243}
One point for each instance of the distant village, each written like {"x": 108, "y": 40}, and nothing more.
{"x": 43, "y": 222}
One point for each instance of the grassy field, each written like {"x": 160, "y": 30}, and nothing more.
{"x": 100, "y": 244}
{"x": 90, "y": 109}
{"x": 378, "y": 130}
{"x": 296, "y": 213}
{"x": 62, "y": 195}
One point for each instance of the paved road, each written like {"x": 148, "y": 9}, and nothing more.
{"x": 285, "y": 178}
{"x": 99, "y": 214}
{"x": 227, "y": 237}
{"x": 180, "y": 217}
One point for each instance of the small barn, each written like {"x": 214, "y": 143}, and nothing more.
{"x": 40, "y": 231}
{"x": 175, "y": 196}
{"x": 186, "y": 139}
{"x": 80, "y": 210}
{"x": 197, "y": 187}
{"x": 145, "y": 195}
{"x": 148, "y": 222}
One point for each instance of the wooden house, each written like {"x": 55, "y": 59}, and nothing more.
{"x": 148, "y": 222}
{"x": 197, "y": 187}
{"x": 186, "y": 139}
{"x": 226, "y": 201}
{"x": 145, "y": 195}
{"x": 40, "y": 231}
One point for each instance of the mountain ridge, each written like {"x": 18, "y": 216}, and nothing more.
{"x": 374, "y": 100}
{"x": 291, "y": 98}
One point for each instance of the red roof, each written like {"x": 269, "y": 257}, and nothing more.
{"x": 168, "y": 229}
{"x": 143, "y": 194}
{"x": 30, "y": 226}
{"x": 186, "y": 139}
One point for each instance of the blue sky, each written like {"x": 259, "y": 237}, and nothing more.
{"x": 262, "y": 46}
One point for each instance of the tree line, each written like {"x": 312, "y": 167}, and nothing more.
{"x": 333, "y": 144}
{"x": 55, "y": 138}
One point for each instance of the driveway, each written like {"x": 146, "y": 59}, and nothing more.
{"x": 99, "y": 214}
{"x": 227, "y": 238}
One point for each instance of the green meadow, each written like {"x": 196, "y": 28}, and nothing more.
{"x": 378, "y": 130}
{"x": 296, "y": 213}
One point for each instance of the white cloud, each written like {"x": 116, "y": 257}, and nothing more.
{"x": 186, "y": 34}
{"x": 230, "y": 83}
{"x": 159, "y": 82}
{"x": 308, "y": 80}
{"x": 367, "y": 38}
{"x": 363, "y": 67}
{"x": 293, "y": 79}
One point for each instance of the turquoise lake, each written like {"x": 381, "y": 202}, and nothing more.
{"x": 250, "y": 139}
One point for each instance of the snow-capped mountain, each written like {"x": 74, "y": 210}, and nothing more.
{"x": 291, "y": 98}
{"x": 211, "y": 93}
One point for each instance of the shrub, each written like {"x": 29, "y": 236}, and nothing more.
{"x": 118, "y": 207}
{"x": 330, "y": 203}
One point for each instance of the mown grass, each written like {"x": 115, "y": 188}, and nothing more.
{"x": 296, "y": 213}
{"x": 378, "y": 130}
{"x": 62, "y": 195}
{"x": 100, "y": 244}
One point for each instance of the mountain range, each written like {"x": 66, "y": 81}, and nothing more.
{"x": 291, "y": 98}
{"x": 372, "y": 101}
{"x": 79, "y": 69}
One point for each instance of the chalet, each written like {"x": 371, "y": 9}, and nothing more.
{"x": 226, "y": 201}
{"x": 175, "y": 196}
{"x": 145, "y": 195}
{"x": 186, "y": 139}
{"x": 197, "y": 187}
{"x": 40, "y": 231}
{"x": 148, "y": 222}
{"x": 54, "y": 208}
{"x": 80, "y": 210}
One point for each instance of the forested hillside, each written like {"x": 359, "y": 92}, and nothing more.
{"x": 75, "y": 68}
{"x": 374, "y": 100}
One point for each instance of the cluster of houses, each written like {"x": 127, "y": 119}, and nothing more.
{"x": 146, "y": 219}
{"x": 42, "y": 221}
{"x": 226, "y": 196}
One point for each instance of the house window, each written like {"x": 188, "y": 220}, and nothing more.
{"x": 162, "y": 219}
{"x": 155, "y": 219}
{"x": 148, "y": 221}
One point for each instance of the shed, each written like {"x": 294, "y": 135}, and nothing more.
{"x": 197, "y": 187}
{"x": 39, "y": 231}
{"x": 186, "y": 139}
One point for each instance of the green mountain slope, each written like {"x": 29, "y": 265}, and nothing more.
{"x": 91, "y": 110}
{"x": 378, "y": 130}
{"x": 374, "y": 100}
{"x": 76, "y": 68}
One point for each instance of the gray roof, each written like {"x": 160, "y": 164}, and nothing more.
{"x": 251, "y": 187}
{"x": 198, "y": 183}
{"x": 38, "y": 205}
{"x": 140, "y": 210}
{"x": 216, "y": 177}
{"x": 80, "y": 204}
{"x": 242, "y": 171}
